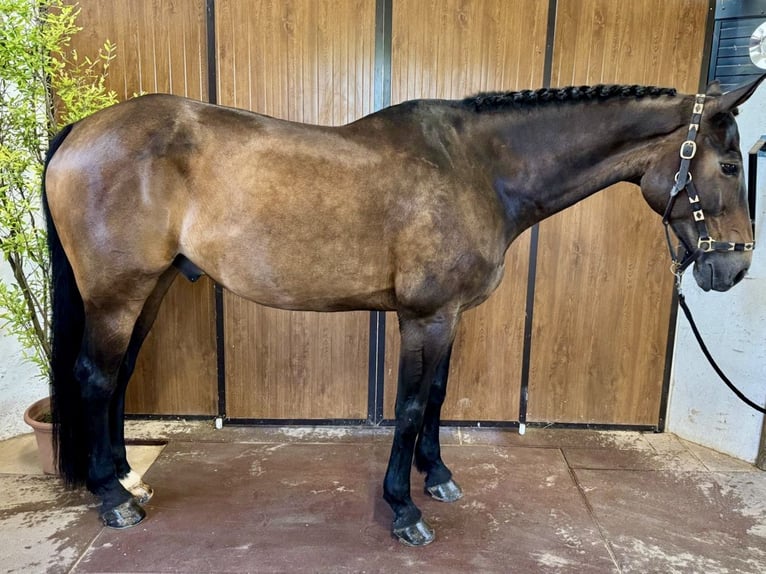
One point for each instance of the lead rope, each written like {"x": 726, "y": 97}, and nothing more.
{"x": 708, "y": 356}
{"x": 683, "y": 181}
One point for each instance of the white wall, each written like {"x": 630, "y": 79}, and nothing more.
{"x": 19, "y": 386}
{"x": 702, "y": 409}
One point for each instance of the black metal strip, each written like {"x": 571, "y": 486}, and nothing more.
{"x": 752, "y": 179}
{"x": 220, "y": 349}
{"x": 372, "y": 368}
{"x": 174, "y": 417}
{"x": 538, "y": 425}
{"x": 380, "y": 374}
{"x": 728, "y": 9}
{"x": 387, "y": 423}
{"x": 382, "y": 99}
{"x": 668, "y": 370}
{"x": 526, "y": 358}
{"x": 592, "y": 426}
{"x": 550, "y": 36}
{"x": 490, "y": 424}
{"x": 296, "y": 422}
{"x": 212, "y": 62}
{"x": 146, "y": 442}
{"x": 376, "y": 361}
{"x": 383, "y": 25}
{"x": 212, "y": 97}
{"x": 710, "y": 49}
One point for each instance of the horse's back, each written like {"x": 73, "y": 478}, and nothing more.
{"x": 265, "y": 206}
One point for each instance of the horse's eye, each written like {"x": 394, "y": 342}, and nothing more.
{"x": 730, "y": 168}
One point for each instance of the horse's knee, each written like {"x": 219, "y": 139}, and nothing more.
{"x": 95, "y": 383}
{"x": 437, "y": 395}
{"x": 409, "y": 420}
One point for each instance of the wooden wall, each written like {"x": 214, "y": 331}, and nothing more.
{"x": 161, "y": 47}
{"x": 603, "y": 290}
{"x": 450, "y": 49}
{"x": 310, "y": 62}
{"x": 602, "y": 295}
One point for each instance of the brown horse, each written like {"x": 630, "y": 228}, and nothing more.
{"x": 410, "y": 209}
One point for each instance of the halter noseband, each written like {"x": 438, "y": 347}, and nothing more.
{"x": 683, "y": 181}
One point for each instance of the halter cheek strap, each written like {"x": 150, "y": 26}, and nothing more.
{"x": 684, "y": 181}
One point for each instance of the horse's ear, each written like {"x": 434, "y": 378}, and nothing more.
{"x": 737, "y": 96}
{"x": 714, "y": 88}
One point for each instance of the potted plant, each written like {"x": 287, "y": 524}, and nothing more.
{"x": 44, "y": 85}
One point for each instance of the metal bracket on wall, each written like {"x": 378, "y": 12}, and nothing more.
{"x": 756, "y": 152}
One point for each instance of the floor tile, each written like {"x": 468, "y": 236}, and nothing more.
{"x": 205, "y": 431}
{"x": 648, "y": 452}
{"x": 717, "y": 461}
{"x": 43, "y": 527}
{"x": 682, "y": 522}
{"x": 18, "y": 455}
{"x": 554, "y": 438}
{"x": 309, "y": 508}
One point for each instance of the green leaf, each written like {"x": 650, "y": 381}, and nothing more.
{"x": 36, "y": 62}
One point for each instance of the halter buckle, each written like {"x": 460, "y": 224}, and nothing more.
{"x": 688, "y": 149}
{"x": 706, "y": 244}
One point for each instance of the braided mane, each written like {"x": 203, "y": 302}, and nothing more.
{"x": 499, "y": 101}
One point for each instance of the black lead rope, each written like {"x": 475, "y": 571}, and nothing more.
{"x": 709, "y": 357}
{"x": 705, "y": 244}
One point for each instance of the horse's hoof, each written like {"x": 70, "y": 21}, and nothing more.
{"x": 133, "y": 483}
{"x": 125, "y": 515}
{"x": 142, "y": 492}
{"x": 445, "y": 492}
{"x": 418, "y": 534}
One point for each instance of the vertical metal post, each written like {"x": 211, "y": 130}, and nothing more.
{"x": 532, "y": 273}
{"x": 382, "y": 99}
{"x": 212, "y": 97}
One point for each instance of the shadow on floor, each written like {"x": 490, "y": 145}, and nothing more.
{"x": 309, "y": 500}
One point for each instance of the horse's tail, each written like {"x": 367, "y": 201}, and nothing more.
{"x": 67, "y": 325}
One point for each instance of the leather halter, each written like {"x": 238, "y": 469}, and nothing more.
{"x": 683, "y": 181}
{"x": 705, "y": 243}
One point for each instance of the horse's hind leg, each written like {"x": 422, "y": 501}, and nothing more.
{"x": 439, "y": 483}
{"x": 425, "y": 343}
{"x": 108, "y": 330}
{"x": 130, "y": 479}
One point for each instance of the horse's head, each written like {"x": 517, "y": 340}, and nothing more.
{"x": 715, "y": 203}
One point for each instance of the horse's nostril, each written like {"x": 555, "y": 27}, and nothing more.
{"x": 740, "y": 276}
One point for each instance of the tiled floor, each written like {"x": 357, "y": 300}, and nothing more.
{"x": 309, "y": 500}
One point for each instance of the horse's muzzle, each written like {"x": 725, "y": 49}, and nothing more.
{"x": 721, "y": 271}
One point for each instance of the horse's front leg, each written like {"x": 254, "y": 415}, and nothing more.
{"x": 425, "y": 342}
{"x": 439, "y": 483}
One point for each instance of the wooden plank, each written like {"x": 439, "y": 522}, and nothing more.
{"x": 161, "y": 46}
{"x": 451, "y": 49}
{"x": 603, "y": 293}
{"x": 310, "y": 62}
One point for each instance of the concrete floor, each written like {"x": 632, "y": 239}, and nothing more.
{"x": 309, "y": 500}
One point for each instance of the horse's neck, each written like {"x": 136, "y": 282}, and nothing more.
{"x": 555, "y": 156}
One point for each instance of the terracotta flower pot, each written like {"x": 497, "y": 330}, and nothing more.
{"x": 35, "y": 417}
